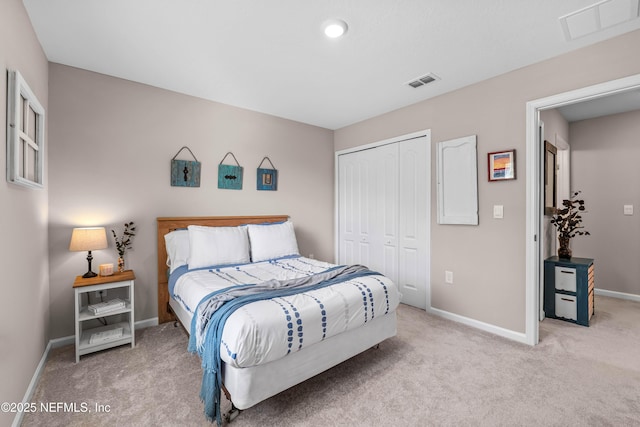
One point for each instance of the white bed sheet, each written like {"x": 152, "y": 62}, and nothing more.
{"x": 266, "y": 331}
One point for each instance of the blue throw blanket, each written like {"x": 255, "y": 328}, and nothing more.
{"x": 214, "y": 310}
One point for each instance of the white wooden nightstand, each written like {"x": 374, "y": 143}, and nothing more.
{"x": 91, "y": 338}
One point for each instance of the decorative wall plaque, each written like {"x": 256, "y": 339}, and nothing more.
{"x": 230, "y": 176}
{"x": 185, "y": 173}
{"x": 267, "y": 179}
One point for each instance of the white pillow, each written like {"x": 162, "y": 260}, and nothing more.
{"x": 177, "y": 244}
{"x": 210, "y": 246}
{"x": 270, "y": 241}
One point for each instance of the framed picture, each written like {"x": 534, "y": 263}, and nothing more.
{"x": 502, "y": 165}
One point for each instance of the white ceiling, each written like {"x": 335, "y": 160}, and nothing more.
{"x": 272, "y": 57}
{"x": 603, "y": 106}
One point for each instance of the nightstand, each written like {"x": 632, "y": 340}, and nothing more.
{"x": 118, "y": 323}
{"x": 568, "y": 289}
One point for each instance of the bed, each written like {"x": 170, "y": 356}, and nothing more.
{"x": 248, "y": 376}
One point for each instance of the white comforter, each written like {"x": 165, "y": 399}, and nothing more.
{"x": 268, "y": 330}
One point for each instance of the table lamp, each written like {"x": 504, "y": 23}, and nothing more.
{"x": 88, "y": 239}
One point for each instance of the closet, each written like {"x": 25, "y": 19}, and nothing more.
{"x": 383, "y": 199}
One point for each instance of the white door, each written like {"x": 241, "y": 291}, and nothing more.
{"x": 385, "y": 217}
{"x": 355, "y": 208}
{"x": 413, "y": 268}
{"x": 383, "y": 213}
{"x": 368, "y": 206}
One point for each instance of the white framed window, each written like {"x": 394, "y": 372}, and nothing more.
{"x": 25, "y": 134}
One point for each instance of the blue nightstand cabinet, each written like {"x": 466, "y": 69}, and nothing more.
{"x": 568, "y": 289}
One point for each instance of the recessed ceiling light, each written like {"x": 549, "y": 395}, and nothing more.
{"x": 335, "y": 28}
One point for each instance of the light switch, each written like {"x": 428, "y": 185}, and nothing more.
{"x": 628, "y": 209}
{"x": 498, "y": 211}
{"x": 448, "y": 277}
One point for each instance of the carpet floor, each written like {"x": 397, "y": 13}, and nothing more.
{"x": 433, "y": 373}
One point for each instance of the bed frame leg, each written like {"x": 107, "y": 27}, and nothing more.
{"x": 234, "y": 412}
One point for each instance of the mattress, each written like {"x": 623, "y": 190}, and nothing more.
{"x": 270, "y": 329}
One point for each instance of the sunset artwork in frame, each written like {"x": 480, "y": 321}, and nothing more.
{"x": 502, "y": 165}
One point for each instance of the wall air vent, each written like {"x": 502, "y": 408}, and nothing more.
{"x": 421, "y": 81}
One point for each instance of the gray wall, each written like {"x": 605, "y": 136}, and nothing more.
{"x": 605, "y": 154}
{"x": 24, "y": 306}
{"x": 111, "y": 142}
{"x": 488, "y": 260}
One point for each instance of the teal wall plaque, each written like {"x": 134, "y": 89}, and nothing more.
{"x": 185, "y": 173}
{"x": 230, "y": 176}
{"x": 267, "y": 179}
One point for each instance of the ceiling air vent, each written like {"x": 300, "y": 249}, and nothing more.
{"x": 598, "y": 16}
{"x": 421, "y": 81}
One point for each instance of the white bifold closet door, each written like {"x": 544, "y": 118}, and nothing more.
{"x": 382, "y": 213}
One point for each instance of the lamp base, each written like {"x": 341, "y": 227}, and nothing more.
{"x": 89, "y": 273}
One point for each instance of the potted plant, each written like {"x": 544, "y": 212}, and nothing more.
{"x": 568, "y": 222}
{"x": 124, "y": 242}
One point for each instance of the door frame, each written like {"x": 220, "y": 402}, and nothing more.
{"x": 533, "y": 187}
{"x": 336, "y": 206}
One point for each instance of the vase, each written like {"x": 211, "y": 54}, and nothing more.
{"x": 563, "y": 250}
{"x": 120, "y": 264}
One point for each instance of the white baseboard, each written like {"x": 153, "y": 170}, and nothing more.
{"x": 141, "y": 324}
{"x": 507, "y": 333}
{"x": 496, "y": 330}
{"x": 55, "y": 343}
{"x": 615, "y": 294}
{"x": 17, "y": 421}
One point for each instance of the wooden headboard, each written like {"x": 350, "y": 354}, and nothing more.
{"x": 168, "y": 224}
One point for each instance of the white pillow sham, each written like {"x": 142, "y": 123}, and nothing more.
{"x": 270, "y": 241}
{"x": 177, "y": 244}
{"x": 209, "y": 246}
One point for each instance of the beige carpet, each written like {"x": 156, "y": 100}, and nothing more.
{"x": 433, "y": 373}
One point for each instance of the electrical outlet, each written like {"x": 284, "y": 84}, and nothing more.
{"x": 101, "y": 294}
{"x": 448, "y": 277}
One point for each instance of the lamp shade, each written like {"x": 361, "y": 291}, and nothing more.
{"x": 88, "y": 239}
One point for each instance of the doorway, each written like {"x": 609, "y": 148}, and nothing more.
{"x": 534, "y": 186}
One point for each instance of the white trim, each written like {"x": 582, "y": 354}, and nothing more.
{"x": 496, "y": 330}
{"x": 393, "y": 140}
{"x": 17, "y": 420}
{"x": 60, "y": 342}
{"x": 147, "y": 323}
{"x": 532, "y": 227}
{"x": 616, "y": 294}
{"x": 17, "y": 87}
{"x": 533, "y": 182}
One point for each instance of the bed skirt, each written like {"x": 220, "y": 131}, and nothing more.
{"x": 249, "y": 386}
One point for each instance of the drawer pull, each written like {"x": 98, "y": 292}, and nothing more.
{"x": 567, "y": 299}
{"x": 567, "y": 272}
